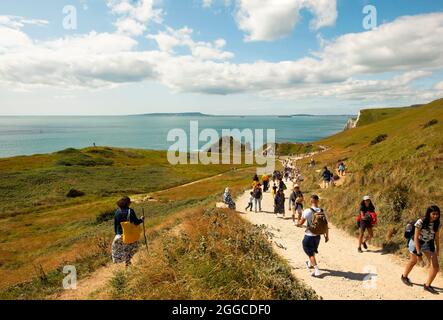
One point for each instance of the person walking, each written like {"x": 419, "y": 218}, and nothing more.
{"x": 296, "y": 203}
{"x": 366, "y": 220}
{"x": 426, "y": 241}
{"x": 265, "y": 179}
{"x": 279, "y": 204}
{"x": 327, "y": 176}
{"x": 250, "y": 201}
{"x": 123, "y": 252}
{"x": 258, "y": 194}
{"x": 317, "y": 225}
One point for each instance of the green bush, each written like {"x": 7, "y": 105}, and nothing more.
{"x": 430, "y": 123}
{"x": 379, "y": 138}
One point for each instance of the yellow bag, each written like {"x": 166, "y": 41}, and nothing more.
{"x": 131, "y": 232}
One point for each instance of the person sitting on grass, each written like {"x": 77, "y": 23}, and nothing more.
{"x": 227, "y": 199}
{"x": 426, "y": 241}
{"x": 122, "y": 252}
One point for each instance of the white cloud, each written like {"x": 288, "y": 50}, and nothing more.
{"x": 272, "y": 19}
{"x": 16, "y": 22}
{"x": 170, "y": 39}
{"x": 406, "y": 49}
{"x": 134, "y": 15}
{"x": 439, "y": 86}
{"x": 206, "y": 3}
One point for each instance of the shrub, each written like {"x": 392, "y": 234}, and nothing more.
{"x": 84, "y": 160}
{"x": 104, "y": 152}
{"x": 104, "y": 216}
{"x": 379, "y": 138}
{"x": 69, "y": 151}
{"x": 398, "y": 199}
{"x": 430, "y": 123}
{"x": 368, "y": 167}
{"x": 73, "y": 193}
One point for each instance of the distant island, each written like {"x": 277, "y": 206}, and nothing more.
{"x": 199, "y": 114}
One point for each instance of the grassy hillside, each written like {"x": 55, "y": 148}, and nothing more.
{"x": 396, "y": 159}
{"x": 213, "y": 254}
{"x": 42, "y": 182}
{"x": 42, "y": 228}
{"x": 368, "y": 116}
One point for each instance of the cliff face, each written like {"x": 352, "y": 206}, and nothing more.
{"x": 352, "y": 122}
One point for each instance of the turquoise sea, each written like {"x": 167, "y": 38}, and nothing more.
{"x": 26, "y": 135}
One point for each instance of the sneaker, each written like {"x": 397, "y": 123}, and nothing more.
{"x": 316, "y": 273}
{"x": 406, "y": 281}
{"x": 364, "y": 245}
{"x": 360, "y": 250}
{"x": 430, "y": 289}
{"x": 308, "y": 265}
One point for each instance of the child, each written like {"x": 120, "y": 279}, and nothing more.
{"x": 251, "y": 199}
{"x": 274, "y": 190}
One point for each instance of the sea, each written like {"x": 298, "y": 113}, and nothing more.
{"x": 27, "y": 135}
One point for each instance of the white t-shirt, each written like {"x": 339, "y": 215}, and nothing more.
{"x": 308, "y": 214}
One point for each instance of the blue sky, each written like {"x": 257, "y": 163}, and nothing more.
{"x": 219, "y": 56}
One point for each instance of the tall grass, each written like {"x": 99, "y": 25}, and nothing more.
{"x": 213, "y": 255}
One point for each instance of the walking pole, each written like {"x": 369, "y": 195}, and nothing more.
{"x": 144, "y": 231}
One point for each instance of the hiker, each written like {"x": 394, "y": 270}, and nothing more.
{"x": 341, "y": 168}
{"x": 122, "y": 252}
{"x": 279, "y": 203}
{"x": 426, "y": 240}
{"x": 327, "y": 175}
{"x": 257, "y": 197}
{"x": 274, "y": 190}
{"x": 227, "y": 199}
{"x": 255, "y": 181}
{"x": 312, "y": 163}
{"x": 296, "y": 203}
{"x": 317, "y": 224}
{"x": 250, "y": 200}
{"x": 286, "y": 175}
{"x": 281, "y": 184}
{"x": 366, "y": 221}
{"x": 265, "y": 179}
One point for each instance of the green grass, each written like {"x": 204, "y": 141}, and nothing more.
{"x": 368, "y": 116}
{"x": 98, "y": 172}
{"x": 286, "y": 148}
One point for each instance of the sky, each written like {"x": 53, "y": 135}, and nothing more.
{"x": 249, "y": 57}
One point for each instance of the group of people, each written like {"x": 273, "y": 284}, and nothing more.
{"x": 422, "y": 235}
{"x": 424, "y": 239}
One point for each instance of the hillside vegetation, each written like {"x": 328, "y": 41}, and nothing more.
{"x": 396, "y": 158}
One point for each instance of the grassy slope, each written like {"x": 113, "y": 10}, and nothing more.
{"x": 403, "y": 174}
{"x": 40, "y": 226}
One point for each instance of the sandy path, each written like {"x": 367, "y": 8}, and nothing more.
{"x": 346, "y": 274}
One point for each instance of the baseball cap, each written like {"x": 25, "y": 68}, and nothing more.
{"x": 366, "y": 198}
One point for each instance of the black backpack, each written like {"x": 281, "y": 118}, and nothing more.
{"x": 257, "y": 193}
{"x": 409, "y": 231}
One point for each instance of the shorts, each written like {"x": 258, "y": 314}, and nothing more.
{"x": 428, "y": 246}
{"x": 298, "y": 207}
{"x": 365, "y": 224}
{"x": 310, "y": 245}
